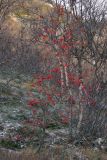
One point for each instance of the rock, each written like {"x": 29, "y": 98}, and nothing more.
{"x": 100, "y": 144}
{"x": 57, "y": 136}
{"x": 15, "y": 91}
{"x": 79, "y": 156}
{"x": 99, "y": 141}
{"x": 104, "y": 148}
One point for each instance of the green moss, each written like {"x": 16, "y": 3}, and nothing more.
{"x": 53, "y": 126}
{"x": 9, "y": 144}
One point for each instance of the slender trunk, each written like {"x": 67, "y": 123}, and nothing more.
{"x": 70, "y": 94}
{"x": 62, "y": 75}
{"x": 66, "y": 76}
{"x": 80, "y": 118}
{"x": 80, "y": 106}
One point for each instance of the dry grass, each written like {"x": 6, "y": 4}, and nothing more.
{"x": 95, "y": 155}
{"x": 52, "y": 153}
{"x": 46, "y": 154}
{"x": 12, "y": 155}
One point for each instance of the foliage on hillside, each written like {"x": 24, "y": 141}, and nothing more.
{"x": 53, "y": 84}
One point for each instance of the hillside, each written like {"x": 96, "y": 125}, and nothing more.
{"x": 53, "y": 80}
